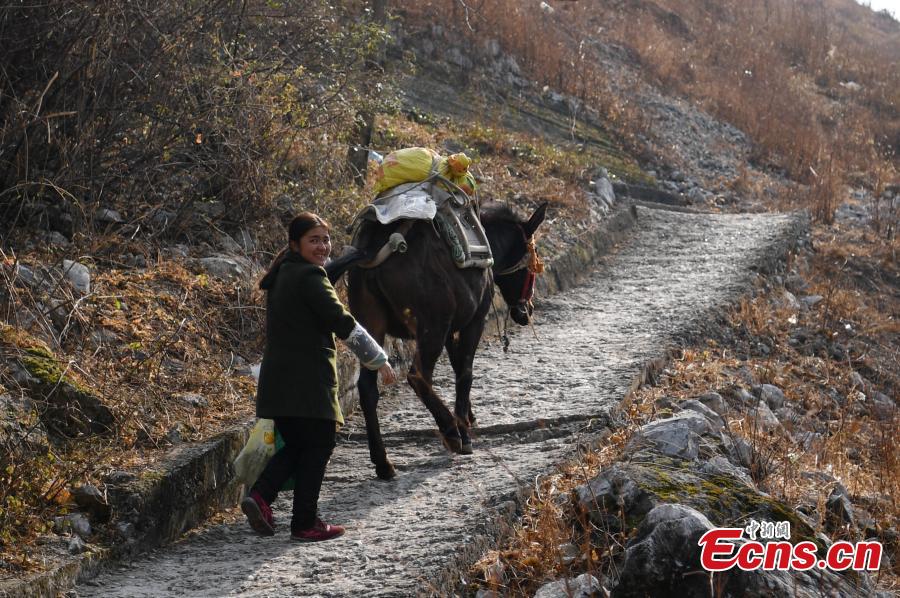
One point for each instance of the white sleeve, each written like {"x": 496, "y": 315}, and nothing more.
{"x": 369, "y": 353}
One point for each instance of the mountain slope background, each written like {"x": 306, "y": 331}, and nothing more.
{"x": 162, "y": 147}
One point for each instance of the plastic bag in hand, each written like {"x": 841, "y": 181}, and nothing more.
{"x": 260, "y": 447}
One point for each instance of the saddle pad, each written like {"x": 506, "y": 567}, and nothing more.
{"x": 409, "y": 200}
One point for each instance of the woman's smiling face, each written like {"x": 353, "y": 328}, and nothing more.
{"x": 314, "y": 246}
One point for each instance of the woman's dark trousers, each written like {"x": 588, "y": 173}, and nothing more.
{"x": 308, "y": 444}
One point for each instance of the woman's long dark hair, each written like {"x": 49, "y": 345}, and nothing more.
{"x": 299, "y": 226}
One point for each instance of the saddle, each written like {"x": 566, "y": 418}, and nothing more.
{"x": 452, "y": 213}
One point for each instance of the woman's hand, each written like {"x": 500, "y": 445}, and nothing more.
{"x": 387, "y": 374}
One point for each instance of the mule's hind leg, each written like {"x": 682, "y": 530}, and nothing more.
{"x": 368, "y": 400}
{"x": 428, "y": 349}
{"x": 372, "y": 315}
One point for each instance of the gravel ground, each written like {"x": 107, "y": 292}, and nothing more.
{"x": 535, "y": 404}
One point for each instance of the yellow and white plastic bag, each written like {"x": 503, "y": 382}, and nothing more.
{"x": 253, "y": 458}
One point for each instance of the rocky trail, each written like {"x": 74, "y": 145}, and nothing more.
{"x": 554, "y": 390}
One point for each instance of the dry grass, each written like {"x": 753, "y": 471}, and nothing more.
{"x": 859, "y": 311}
{"x": 815, "y": 84}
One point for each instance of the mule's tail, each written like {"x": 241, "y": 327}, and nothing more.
{"x": 351, "y": 257}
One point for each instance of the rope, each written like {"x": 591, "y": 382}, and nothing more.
{"x": 535, "y": 263}
{"x": 504, "y": 338}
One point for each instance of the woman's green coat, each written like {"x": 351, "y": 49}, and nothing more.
{"x": 298, "y": 376}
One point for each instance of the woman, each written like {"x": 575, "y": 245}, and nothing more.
{"x": 298, "y": 377}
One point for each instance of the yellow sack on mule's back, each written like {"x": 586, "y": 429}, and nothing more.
{"x": 413, "y": 164}
{"x": 404, "y": 166}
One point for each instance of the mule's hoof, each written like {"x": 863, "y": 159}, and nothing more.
{"x": 385, "y": 471}
{"x": 466, "y": 448}
{"x": 453, "y": 443}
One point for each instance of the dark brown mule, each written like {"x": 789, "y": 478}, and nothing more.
{"x": 421, "y": 294}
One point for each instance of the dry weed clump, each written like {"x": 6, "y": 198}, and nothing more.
{"x": 551, "y": 540}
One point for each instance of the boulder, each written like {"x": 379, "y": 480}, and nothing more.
{"x": 663, "y": 559}
{"x": 68, "y": 409}
{"x": 664, "y": 550}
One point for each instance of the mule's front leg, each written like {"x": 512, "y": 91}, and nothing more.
{"x": 461, "y": 351}
{"x": 420, "y": 377}
{"x": 368, "y": 400}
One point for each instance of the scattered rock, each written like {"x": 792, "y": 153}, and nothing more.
{"x": 677, "y": 436}
{"x": 75, "y": 523}
{"x": 76, "y": 545}
{"x": 108, "y": 216}
{"x": 90, "y": 500}
{"x": 78, "y": 275}
{"x": 810, "y": 301}
{"x": 191, "y": 399}
{"x": 568, "y": 553}
{"x": 583, "y": 586}
{"x": 714, "y": 401}
{"x": 771, "y": 394}
{"x": 839, "y": 511}
{"x": 226, "y": 267}
{"x": 715, "y": 420}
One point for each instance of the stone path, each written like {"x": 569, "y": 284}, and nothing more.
{"x": 535, "y": 404}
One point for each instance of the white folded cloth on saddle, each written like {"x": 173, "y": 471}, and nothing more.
{"x": 409, "y": 200}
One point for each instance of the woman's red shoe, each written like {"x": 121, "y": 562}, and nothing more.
{"x": 318, "y": 532}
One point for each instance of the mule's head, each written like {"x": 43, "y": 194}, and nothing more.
{"x": 516, "y": 263}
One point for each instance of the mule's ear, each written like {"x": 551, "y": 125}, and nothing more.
{"x": 535, "y": 221}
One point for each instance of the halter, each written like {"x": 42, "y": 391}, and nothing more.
{"x": 532, "y": 261}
